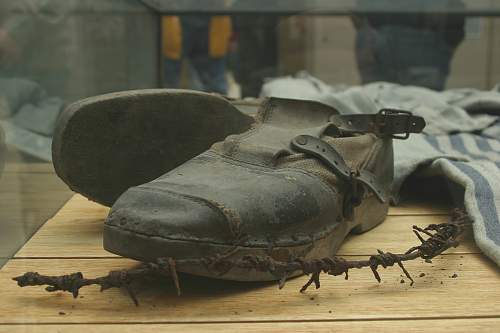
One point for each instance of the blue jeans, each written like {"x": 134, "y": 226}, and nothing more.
{"x": 403, "y": 55}
{"x": 210, "y": 73}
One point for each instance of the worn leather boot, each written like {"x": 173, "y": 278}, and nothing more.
{"x": 105, "y": 144}
{"x": 293, "y": 186}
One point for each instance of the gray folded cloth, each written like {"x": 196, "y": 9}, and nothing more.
{"x": 460, "y": 142}
{"x": 28, "y": 106}
{"x": 29, "y": 116}
{"x": 28, "y": 142}
{"x": 16, "y": 92}
{"x": 39, "y": 118}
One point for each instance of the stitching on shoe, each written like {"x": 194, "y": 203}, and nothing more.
{"x": 187, "y": 239}
{"x": 233, "y": 219}
{"x": 214, "y": 206}
{"x": 230, "y": 216}
{"x": 371, "y": 155}
{"x": 211, "y": 204}
{"x": 267, "y": 113}
{"x": 267, "y": 110}
{"x": 277, "y": 242}
{"x": 267, "y": 169}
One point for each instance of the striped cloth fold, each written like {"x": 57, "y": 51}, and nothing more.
{"x": 461, "y": 141}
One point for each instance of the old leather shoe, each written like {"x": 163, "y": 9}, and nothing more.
{"x": 293, "y": 186}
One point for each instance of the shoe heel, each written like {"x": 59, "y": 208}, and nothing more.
{"x": 369, "y": 215}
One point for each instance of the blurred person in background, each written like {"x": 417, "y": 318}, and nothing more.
{"x": 251, "y": 66}
{"x": 408, "y": 48}
{"x": 201, "y": 40}
{"x": 8, "y": 49}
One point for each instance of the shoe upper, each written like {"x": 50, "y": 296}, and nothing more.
{"x": 255, "y": 188}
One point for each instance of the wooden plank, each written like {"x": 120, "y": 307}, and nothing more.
{"x": 395, "y": 235}
{"x": 473, "y": 293}
{"x": 27, "y": 200}
{"x": 411, "y": 326}
{"x": 76, "y": 231}
{"x": 30, "y": 182}
{"x": 18, "y": 205}
{"x": 29, "y": 167}
{"x": 414, "y": 207}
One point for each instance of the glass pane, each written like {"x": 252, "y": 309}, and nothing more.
{"x": 55, "y": 52}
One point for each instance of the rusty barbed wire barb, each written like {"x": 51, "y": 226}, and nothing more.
{"x": 440, "y": 238}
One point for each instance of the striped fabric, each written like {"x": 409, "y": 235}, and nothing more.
{"x": 462, "y": 147}
{"x": 469, "y": 160}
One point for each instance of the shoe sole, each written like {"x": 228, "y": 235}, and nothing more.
{"x": 105, "y": 144}
{"x": 136, "y": 246}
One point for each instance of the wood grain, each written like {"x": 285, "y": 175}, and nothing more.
{"x": 30, "y": 183}
{"x": 30, "y": 193}
{"x": 40, "y": 167}
{"x": 409, "y": 326}
{"x": 437, "y": 302}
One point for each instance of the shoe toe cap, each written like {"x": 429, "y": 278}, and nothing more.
{"x": 164, "y": 214}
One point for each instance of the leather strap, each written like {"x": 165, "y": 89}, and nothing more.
{"x": 333, "y": 159}
{"x": 385, "y": 123}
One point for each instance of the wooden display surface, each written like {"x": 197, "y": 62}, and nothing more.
{"x": 459, "y": 291}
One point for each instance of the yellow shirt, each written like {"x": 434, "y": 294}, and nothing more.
{"x": 219, "y": 33}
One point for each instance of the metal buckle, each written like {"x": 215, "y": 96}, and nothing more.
{"x": 380, "y": 122}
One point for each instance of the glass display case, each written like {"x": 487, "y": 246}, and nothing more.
{"x": 215, "y": 146}
{"x": 55, "y": 52}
